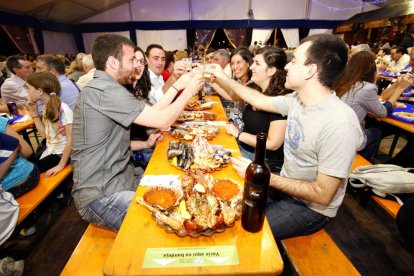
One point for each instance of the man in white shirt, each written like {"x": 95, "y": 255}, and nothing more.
{"x": 89, "y": 68}
{"x": 155, "y": 57}
{"x": 13, "y": 89}
{"x": 321, "y": 138}
{"x": 222, "y": 58}
{"x": 400, "y": 59}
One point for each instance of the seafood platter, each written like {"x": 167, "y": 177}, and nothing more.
{"x": 198, "y": 155}
{"x": 196, "y": 105}
{"x": 201, "y": 205}
{"x": 196, "y": 116}
{"x": 191, "y": 131}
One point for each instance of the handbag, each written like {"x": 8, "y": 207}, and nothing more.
{"x": 383, "y": 179}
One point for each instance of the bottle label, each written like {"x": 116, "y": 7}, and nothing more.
{"x": 254, "y": 194}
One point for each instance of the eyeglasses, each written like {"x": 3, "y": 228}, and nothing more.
{"x": 142, "y": 61}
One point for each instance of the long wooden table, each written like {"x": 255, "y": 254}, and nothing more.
{"x": 23, "y": 125}
{"x": 258, "y": 253}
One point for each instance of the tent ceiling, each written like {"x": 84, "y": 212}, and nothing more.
{"x": 76, "y": 11}
{"x": 389, "y": 11}
{"x": 65, "y": 11}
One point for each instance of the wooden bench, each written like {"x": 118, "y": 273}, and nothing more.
{"x": 390, "y": 206}
{"x": 30, "y": 200}
{"x": 317, "y": 254}
{"x": 90, "y": 254}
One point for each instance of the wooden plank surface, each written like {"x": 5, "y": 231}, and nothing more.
{"x": 23, "y": 125}
{"x": 317, "y": 254}
{"x": 258, "y": 253}
{"x": 30, "y": 200}
{"x": 90, "y": 254}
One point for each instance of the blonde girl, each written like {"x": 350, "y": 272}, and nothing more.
{"x": 55, "y": 124}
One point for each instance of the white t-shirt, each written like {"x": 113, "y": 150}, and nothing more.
{"x": 55, "y": 132}
{"x": 320, "y": 138}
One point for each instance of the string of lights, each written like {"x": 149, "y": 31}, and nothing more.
{"x": 357, "y": 5}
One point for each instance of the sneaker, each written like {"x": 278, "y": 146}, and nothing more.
{"x": 10, "y": 267}
{"x": 28, "y": 231}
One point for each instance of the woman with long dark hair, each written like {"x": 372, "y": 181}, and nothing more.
{"x": 268, "y": 76}
{"x": 356, "y": 87}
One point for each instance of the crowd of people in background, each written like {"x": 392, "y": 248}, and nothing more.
{"x": 80, "y": 107}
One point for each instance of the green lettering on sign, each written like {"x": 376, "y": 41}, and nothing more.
{"x": 190, "y": 256}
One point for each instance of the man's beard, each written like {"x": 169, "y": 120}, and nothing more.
{"x": 124, "y": 76}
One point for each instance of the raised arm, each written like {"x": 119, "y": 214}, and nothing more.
{"x": 254, "y": 98}
{"x": 164, "y": 118}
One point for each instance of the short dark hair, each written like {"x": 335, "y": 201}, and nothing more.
{"x": 152, "y": 46}
{"x": 13, "y": 62}
{"x": 329, "y": 53}
{"x": 107, "y": 45}
{"x": 401, "y": 50}
{"x": 53, "y": 61}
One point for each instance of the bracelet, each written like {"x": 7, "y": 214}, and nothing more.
{"x": 238, "y": 135}
{"x": 36, "y": 116}
{"x": 176, "y": 89}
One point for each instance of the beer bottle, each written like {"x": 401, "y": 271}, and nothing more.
{"x": 256, "y": 184}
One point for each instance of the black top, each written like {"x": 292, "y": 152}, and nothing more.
{"x": 257, "y": 121}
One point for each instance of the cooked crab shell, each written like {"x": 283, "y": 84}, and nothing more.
{"x": 163, "y": 198}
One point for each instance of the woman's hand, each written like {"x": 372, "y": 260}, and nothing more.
{"x": 183, "y": 81}
{"x": 195, "y": 84}
{"x": 154, "y": 138}
{"x": 55, "y": 170}
{"x": 232, "y": 130}
{"x": 216, "y": 71}
{"x": 179, "y": 68}
{"x": 240, "y": 165}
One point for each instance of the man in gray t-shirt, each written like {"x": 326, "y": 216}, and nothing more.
{"x": 321, "y": 138}
{"x": 104, "y": 182}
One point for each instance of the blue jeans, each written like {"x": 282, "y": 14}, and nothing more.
{"x": 109, "y": 211}
{"x": 275, "y": 166}
{"x": 373, "y": 141}
{"x": 289, "y": 217}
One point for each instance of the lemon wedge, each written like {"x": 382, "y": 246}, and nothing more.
{"x": 183, "y": 210}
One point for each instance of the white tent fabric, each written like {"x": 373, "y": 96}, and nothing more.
{"x": 59, "y": 43}
{"x": 170, "y": 40}
{"x": 89, "y": 38}
{"x": 261, "y": 35}
{"x": 320, "y": 31}
{"x": 161, "y": 10}
{"x": 291, "y": 37}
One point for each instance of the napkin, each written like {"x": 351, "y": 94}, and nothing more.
{"x": 167, "y": 180}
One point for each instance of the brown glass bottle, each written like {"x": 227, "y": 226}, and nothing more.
{"x": 256, "y": 184}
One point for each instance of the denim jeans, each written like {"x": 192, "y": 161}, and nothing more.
{"x": 29, "y": 183}
{"x": 373, "y": 141}
{"x": 109, "y": 211}
{"x": 289, "y": 217}
{"x": 275, "y": 166}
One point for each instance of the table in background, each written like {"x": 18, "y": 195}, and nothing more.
{"x": 258, "y": 253}
{"x": 402, "y": 126}
{"x": 22, "y": 127}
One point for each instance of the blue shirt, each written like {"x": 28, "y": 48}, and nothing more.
{"x": 20, "y": 169}
{"x": 69, "y": 93}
